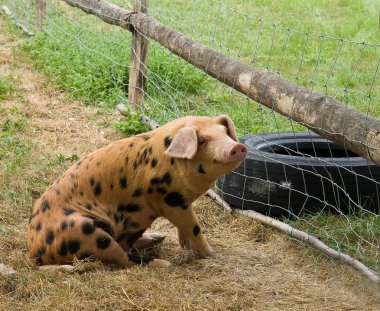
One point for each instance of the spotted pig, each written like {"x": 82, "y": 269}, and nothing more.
{"x": 101, "y": 206}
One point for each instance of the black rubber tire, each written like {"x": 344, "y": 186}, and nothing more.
{"x": 275, "y": 179}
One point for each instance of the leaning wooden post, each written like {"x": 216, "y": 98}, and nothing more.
{"x": 139, "y": 55}
{"x": 40, "y": 6}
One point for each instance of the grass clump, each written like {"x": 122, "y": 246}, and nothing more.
{"x": 355, "y": 234}
{"x": 7, "y": 87}
{"x": 83, "y": 74}
{"x": 132, "y": 123}
{"x": 13, "y": 148}
{"x": 92, "y": 64}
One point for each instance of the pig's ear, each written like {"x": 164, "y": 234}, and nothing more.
{"x": 184, "y": 143}
{"x": 227, "y": 122}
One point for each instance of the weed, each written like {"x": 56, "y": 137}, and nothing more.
{"x": 10, "y": 143}
{"x": 132, "y": 124}
{"x": 7, "y": 87}
{"x": 62, "y": 160}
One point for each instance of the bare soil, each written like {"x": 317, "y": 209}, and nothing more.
{"x": 256, "y": 268}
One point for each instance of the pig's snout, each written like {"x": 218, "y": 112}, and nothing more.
{"x": 235, "y": 153}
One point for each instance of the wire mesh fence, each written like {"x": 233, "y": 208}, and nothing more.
{"x": 337, "y": 197}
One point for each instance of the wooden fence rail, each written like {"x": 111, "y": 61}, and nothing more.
{"x": 322, "y": 114}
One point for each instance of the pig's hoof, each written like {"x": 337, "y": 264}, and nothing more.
{"x": 160, "y": 263}
{"x": 203, "y": 253}
{"x": 156, "y": 238}
{"x": 149, "y": 240}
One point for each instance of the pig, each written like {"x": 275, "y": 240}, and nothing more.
{"x": 102, "y": 205}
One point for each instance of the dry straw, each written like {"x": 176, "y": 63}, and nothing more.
{"x": 298, "y": 234}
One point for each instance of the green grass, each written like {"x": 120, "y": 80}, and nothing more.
{"x": 91, "y": 59}
{"x": 285, "y": 36}
{"x": 14, "y": 152}
{"x": 356, "y": 235}
{"x": 12, "y": 147}
{"x": 7, "y": 87}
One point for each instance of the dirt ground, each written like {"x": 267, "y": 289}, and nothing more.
{"x": 256, "y": 268}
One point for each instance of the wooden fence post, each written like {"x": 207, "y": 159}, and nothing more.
{"x": 40, "y": 6}
{"x": 139, "y": 55}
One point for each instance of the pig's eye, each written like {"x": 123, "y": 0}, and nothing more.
{"x": 202, "y": 141}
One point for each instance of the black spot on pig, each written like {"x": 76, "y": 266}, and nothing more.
{"x": 103, "y": 242}
{"x": 118, "y": 218}
{"x": 74, "y": 246}
{"x": 88, "y": 227}
{"x": 41, "y": 251}
{"x": 68, "y": 211}
{"x": 86, "y": 255}
{"x": 49, "y": 237}
{"x": 45, "y": 206}
{"x": 196, "y": 230}
{"x": 201, "y": 169}
{"x": 175, "y": 199}
{"x": 166, "y": 179}
{"x": 155, "y": 181}
{"x": 133, "y": 208}
{"x": 123, "y": 182}
{"x": 130, "y": 208}
{"x": 137, "y": 193}
{"x": 38, "y": 227}
{"x": 167, "y": 141}
{"x": 97, "y": 188}
{"x": 161, "y": 190}
{"x": 63, "y": 249}
{"x": 64, "y": 225}
{"x": 101, "y": 224}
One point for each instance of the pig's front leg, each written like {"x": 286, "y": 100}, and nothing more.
{"x": 189, "y": 231}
